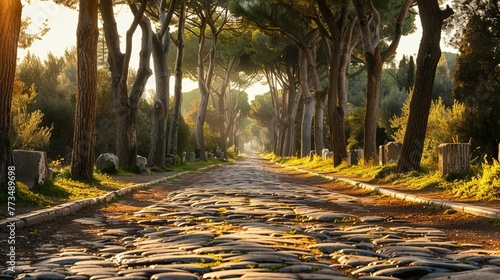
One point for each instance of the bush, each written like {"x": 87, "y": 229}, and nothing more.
{"x": 486, "y": 185}
{"x": 442, "y": 128}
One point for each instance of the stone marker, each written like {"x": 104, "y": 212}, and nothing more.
{"x": 391, "y": 152}
{"x": 381, "y": 155}
{"x": 324, "y": 154}
{"x": 453, "y": 158}
{"x": 31, "y": 167}
{"x": 142, "y": 163}
{"x": 183, "y": 158}
{"x": 192, "y": 157}
{"x": 355, "y": 156}
{"x": 107, "y": 163}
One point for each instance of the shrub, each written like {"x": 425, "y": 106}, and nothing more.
{"x": 442, "y": 127}
{"x": 486, "y": 185}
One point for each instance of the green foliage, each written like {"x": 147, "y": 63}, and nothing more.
{"x": 261, "y": 110}
{"x": 486, "y": 185}
{"x": 355, "y": 130}
{"x": 406, "y": 74}
{"x": 442, "y": 128}
{"x": 105, "y": 118}
{"x": 54, "y": 81}
{"x": 477, "y": 77}
{"x": 443, "y": 83}
{"x": 186, "y": 141}
{"x": 27, "y": 130}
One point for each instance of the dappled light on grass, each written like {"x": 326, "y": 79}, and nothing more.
{"x": 66, "y": 187}
{"x": 483, "y": 182}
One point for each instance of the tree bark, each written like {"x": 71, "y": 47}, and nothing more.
{"x": 84, "y": 137}
{"x": 308, "y": 110}
{"x": 159, "y": 110}
{"x": 429, "y": 52}
{"x": 205, "y": 72}
{"x": 204, "y": 81}
{"x": 292, "y": 107}
{"x": 125, "y": 100}
{"x": 10, "y": 26}
{"x": 176, "y": 110}
{"x": 375, "y": 59}
{"x": 337, "y": 38}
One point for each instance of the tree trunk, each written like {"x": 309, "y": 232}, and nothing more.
{"x": 10, "y": 26}
{"x": 337, "y": 91}
{"x": 374, "y": 65}
{"x": 429, "y": 52}
{"x": 319, "y": 115}
{"x": 369, "y": 25}
{"x": 205, "y": 74}
{"x": 307, "y": 113}
{"x": 292, "y": 115}
{"x": 125, "y": 100}
{"x": 222, "y": 110}
{"x": 83, "y": 155}
{"x": 204, "y": 86}
{"x": 176, "y": 110}
{"x": 159, "y": 110}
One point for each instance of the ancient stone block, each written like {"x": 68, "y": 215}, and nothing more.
{"x": 31, "y": 167}
{"x": 355, "y": 156}
{"x": 324, "y": 154}
{"x": 391, "y": 152}
{"x": 453, "y": 158}
{"x": 107, "y": 163}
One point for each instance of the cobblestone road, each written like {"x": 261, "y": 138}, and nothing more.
{"x": 243, "y": 222}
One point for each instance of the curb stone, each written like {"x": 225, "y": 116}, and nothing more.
{"x": 38, "y": 216}
{"x": 460, "y": 207}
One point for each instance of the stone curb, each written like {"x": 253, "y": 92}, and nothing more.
{"x": 460, "y": 207}
{"x": 35, "y": 217}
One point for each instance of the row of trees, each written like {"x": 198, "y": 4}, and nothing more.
{"x": 309, "y": 49}
{"x": 325, "y": 38}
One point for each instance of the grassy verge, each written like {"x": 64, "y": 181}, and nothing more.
{"x": 482, "y": 182}
{"x": 65, "y": 187}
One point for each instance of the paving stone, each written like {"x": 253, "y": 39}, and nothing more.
{"x": 486, "y": 273}
{"x": 68, "y": 260}
{"x": 175, "y": 276}
{"x": 408, "y": 271}
{"x": 47, "y": 275}
{"x": 233, "y": 273}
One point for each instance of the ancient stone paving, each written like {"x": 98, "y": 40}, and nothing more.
{"x": 241, "y": 222}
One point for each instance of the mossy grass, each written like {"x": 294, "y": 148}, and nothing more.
{"x": 69, "y": 187}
